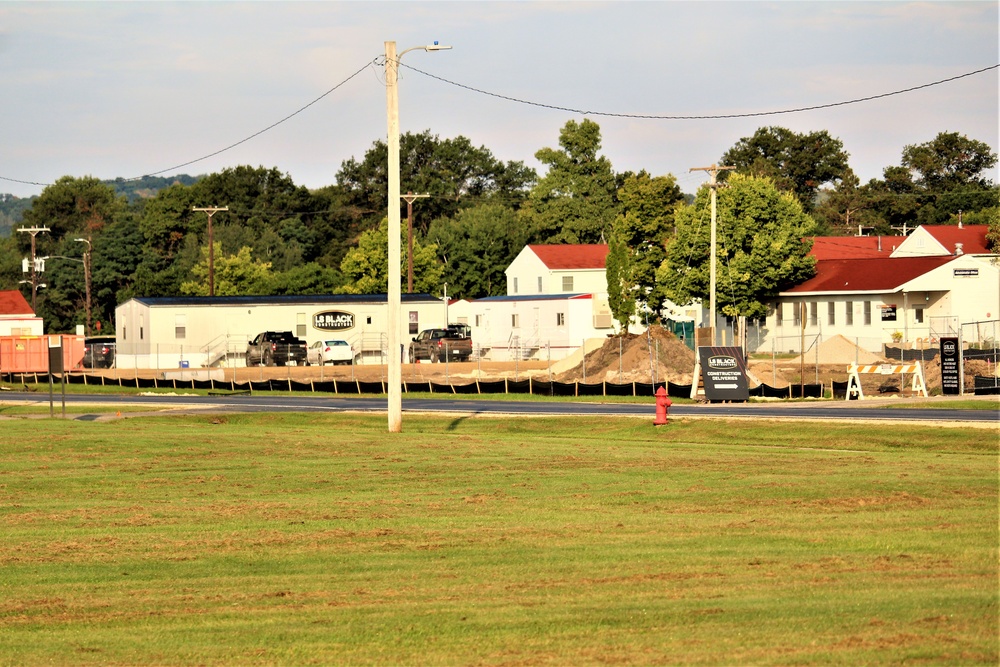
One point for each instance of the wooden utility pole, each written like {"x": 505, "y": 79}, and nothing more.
{"x": 211, "y": 210}
{"x": 409, "y": 198}
{"x": 713, "y": 172}
{"x": 34, "y": 231}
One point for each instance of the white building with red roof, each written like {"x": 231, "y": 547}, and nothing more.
{"x": 915, "y": 288}
{"x": 557, "y": 299}
{"x": 559, "y": 269}
{"x": 16, "y": 316}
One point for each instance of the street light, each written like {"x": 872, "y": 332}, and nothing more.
{"x": 393, "y": 296}
{"x": 86, "y": 276}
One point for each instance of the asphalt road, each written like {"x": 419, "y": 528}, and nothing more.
{"x": 835, "y": 410}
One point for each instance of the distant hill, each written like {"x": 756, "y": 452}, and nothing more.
{"x": 12, "y": 207}
{"x": 147, "y": 186}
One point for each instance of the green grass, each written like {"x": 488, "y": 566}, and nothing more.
{"x": 301, "y": 539}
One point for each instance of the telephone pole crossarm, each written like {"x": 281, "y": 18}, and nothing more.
{"x": 34, "y": 231}
{"x": 409, "y": 198}
{"x": 211, "y": 210}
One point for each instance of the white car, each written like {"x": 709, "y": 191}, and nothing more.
{"x": 329, "y": 352}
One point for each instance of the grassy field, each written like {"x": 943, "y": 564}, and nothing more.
{"x": 287, "y": 539}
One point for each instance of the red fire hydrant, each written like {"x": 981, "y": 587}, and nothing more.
{"x": 662, "y": 406}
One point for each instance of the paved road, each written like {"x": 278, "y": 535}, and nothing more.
{"x": 838, "y": 410}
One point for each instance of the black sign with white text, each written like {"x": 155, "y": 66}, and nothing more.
{"x": 724, "y": 373}
{"x": 951, "y": 379}
{"x": 333, "y": 320}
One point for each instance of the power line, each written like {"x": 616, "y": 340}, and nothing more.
{"x": 229, "y": 147}
{"x": 704, "y": 117}
{"x": 257, "y": 134}
{"x": 377, "y": 60}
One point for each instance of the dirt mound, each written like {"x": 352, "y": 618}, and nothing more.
{"x": 839, "y": 350}
{"x": 655, "y": 355}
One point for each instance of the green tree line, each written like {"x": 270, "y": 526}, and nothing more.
{"x": 281, "y": 238}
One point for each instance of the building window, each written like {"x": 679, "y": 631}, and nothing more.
{"x": 918, "y": 315}
{"x": 539, "y": 284}
{"x": 414, "y": 322}
{"x": 515, "y": 284}
{"x": 814, "y": 313}
{"x": 831, "y": 313}
{"x": 849, "y": 313}
{"x": 868, "y": 313}
{"x": 479, "y": 320}
{"x": 300, "y": 325}
{"x": 180, "y": 327}
{"x": 368, "y": 320}
{"x": 797, "y": 314}
{"x": 515, "y": 321}
{"x": 567, "y": 283}
{"x": 560, "y": 319}
{"x": 778, "y": 307}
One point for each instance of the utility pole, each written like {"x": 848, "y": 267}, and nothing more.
{"x": 86, "y": 275}
{"x": 211, "y": 210}
{"x": 713, "y": 172}
{"x": 409, "y": 198}
{"x": 34, "y": 231}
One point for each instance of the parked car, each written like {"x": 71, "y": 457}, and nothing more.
{"x": 99, "y": 352}
{"x": 272, "y": 348}
{"x": 441, "y": 345}
{"x": 332, "y": 351}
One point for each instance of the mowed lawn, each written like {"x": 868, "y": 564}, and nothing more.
{"x": 284, "y": 539}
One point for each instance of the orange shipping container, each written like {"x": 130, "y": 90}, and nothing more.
{"x": 30, "y": 354}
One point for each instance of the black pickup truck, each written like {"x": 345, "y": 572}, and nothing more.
{"x": 276, "y": 348}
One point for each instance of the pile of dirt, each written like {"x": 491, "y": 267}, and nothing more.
{"x": 838, "y": 350}
{"x": 656, "y": 355}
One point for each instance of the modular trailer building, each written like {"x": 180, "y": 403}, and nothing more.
{"x": 204, "y": 332}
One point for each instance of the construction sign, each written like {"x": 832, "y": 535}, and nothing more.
{"x": 723, "y": 373}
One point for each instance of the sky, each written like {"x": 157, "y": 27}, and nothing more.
{"x": 126, "y": 89}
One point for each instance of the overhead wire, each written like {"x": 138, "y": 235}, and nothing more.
{"x": 378, "y": 59}
{"x": 699, "y": 117}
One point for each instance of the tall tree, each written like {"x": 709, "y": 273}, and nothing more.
{"x": 575, "y": 201}
{"x": 761, "y": 248}
{"x": 799, "y": 163}
{"x": 846, "y": 207}
{"x": 950, "y": 161}
{"x": 476, "y": 246}
{"x": 366, "y": 267}
{"x": 455, "y": 173}
{"x": 934, "y": 182}
{"x": 637, "y": 244}
{"x": 235, "y": 275}
{"x": 70, "y": 208}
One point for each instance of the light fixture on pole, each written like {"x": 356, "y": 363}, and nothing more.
{"x": 86, "y": 276}
{"x": 393, "y": 297}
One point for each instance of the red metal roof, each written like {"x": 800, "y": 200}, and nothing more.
{"x": 13, "y": 303}
{"x": 853, "y": 247}
{"x": 570, "y": 256}
{"x": 867, "y": 275}
{"x": 972, "y": 237}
